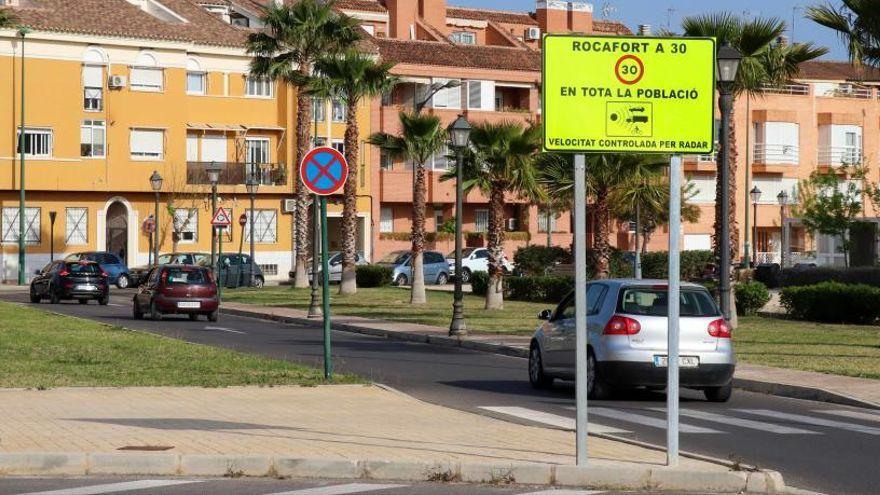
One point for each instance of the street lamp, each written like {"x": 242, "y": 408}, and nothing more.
{"x": 252, "y": 186}
{"x": 728, "y": 59}
{"x": 22, "y": 32}
{"x": 755, "y": 194}
{"x": 459, "y": 133}
{"x": 213, "y": 171}
{"x": 156, "y": 184}
{"x": 783, "y": 200}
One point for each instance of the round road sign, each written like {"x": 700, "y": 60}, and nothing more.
{"x": 149, "y": 225}
{"x": 323, "y": 171}
{"x": 242, "y": 219}
{"x": 629, "y": 69}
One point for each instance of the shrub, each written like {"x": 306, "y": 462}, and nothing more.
{"x": 537, "y": 260}
{"x": 538, "y": 289}
{"x": 750, "y": 297}
{"x": 480, "y": 283}
{"x": 373, "y": 275}
{"x": 832, "y": 302}
{"x": 793, "y": 277}
{"x": 693, "y": 264}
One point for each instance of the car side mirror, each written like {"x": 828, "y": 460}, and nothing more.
{"x": 545, "y": 314}
{"x": 37, "y": 272}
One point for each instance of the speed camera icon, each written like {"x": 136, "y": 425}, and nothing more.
{"x": 629, "y": 119}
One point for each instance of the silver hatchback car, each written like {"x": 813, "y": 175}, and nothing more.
{"x": 627, "y": 342}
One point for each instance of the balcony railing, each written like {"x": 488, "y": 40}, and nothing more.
{"x": 237, "y": 173}
{"x": 787, "y": 89}
{"x": 840, "y": 155}
{"x": 776, "y": 153}
{"x": 702, "y": 158}
{"x": 846, "y": 91}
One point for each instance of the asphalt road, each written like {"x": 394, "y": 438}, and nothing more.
{"x": 817, "y": 446}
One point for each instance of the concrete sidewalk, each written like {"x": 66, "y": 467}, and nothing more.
{"x": 861, "y": 392}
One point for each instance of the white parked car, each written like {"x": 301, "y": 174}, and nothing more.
{"x": 475, "y": 260}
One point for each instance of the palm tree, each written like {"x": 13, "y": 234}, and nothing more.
{"x": 651, "y": 193}
{"x": 294, "y": 37}
{"x": 421, "y": 138}
{"x": 857, "y": 22}
{"x": 765, "y": 64}
{"x": 351, "y": 77}
{"x": 501, "y": 160}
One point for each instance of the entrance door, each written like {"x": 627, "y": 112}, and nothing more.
{"x": 117, "y": 230}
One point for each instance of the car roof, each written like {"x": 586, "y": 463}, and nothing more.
{"x": 635, "y": 282}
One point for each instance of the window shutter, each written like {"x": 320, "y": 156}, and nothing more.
{"x": 76, "y": 226}
{"x": 475, "y": 95}
{"x": 93, "y": 76}
{"x": 488, "y": 96}
{"x": 147, "y": 141}
{"x": 214, "y": 148}
{"x": 192, "y": 148}
{"x": 146, "y": 77}
{"x": 386, "y": 219}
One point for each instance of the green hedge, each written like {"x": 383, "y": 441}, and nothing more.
{"x": 750, "y": 297}
{"x": 693, "y": 264}
{"x": 832, "y": 302}
{"x": 537, "y": 289}
{"x": 537, "y": 259}
{"x": 480, "y": 283}
{"x": 795, "y": 277}
{"x": 373, "y": 276}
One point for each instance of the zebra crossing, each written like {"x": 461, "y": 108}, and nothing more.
{"x": 700, "y": 422}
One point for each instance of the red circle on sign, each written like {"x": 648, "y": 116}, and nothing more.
{"x": 319, "y": 172}
{"x": 623, "y": 59}
{"x": 149, "y": 225}
{"x": 242, "y": 219}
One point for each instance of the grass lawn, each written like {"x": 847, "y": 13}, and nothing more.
{"x": 852, "y": 350}
{"x": 43, "y": 350}
{"x": 392, "y": 303}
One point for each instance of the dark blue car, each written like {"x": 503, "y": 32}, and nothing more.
{"x": 111, "y": 263}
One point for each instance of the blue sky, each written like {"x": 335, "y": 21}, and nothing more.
{"x": 657, "y": 13}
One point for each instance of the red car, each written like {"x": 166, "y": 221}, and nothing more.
{"x": 177, "y": 289}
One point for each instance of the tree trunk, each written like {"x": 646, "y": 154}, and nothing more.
{"x": 303, "y": 144}
{"x": 495, "y": 293}
{"x": 348, "y": 283}
{"x": 417, "y": 295}
{"x": 601, "y": 242}
{"x": 549, "y": 230}
{"x": 734, "y": 226}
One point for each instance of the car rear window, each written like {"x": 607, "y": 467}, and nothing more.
{"x": 83, "y": 269}
{"x": 189, "y": 276}
{"x": 644, "y": 301}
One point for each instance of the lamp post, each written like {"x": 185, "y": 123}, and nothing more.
{"x": 460, "y": 133}
{"x": 156, "y": 184}
{"x": 252, "y": 186}
{"x": 213, "y": 171}
{"x": 22, "y": 32}
{"x": 728, "y": 63}
{"x": 783, "y": 200}
{"x": 755, "y": 194}
{"x": 52, "y": 216}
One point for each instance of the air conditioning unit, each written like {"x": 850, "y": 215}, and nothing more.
{"x": 117, "y": 81}
{"x": 512, "y": 224}
{"x": 289, "y": 206}
{"x": 533, "y": 33}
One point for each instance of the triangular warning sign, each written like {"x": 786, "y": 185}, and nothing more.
{"x": 221, "y": 218}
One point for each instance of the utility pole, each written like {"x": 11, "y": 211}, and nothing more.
{"x": 22, "y": 32}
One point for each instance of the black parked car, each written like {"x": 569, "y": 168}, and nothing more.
{"x": 80, "y": 280}
{"x": 138, "y": 274}
{"x": 237, "y": 270}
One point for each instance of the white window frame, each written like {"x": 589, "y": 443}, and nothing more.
{"x": 386, "y": 160}
{"x": 265, "y": 226}
{"x": 463, "y": 37}
{"x": 202, "y": 76}
{"x": 214, "y": 148}
{"x": 93, "y": 91}
{"x": 93, "y": 127}
{"x": 32, "y": 225}
{"x": 186, "y": 221}
{"x": 319, "y": 110}
{"x": 149, "y": 87}
{"x": 146, "y": 156}
{"x": 542, "y": 221}
{"x": 338, "y": 110}
{"x": 258, "y": 87}
{"x": 49, "y": 143}
{"x": 440, "y": 160}
{"x": 386, "y": 219}
{"x": 338, "y": 145}
{"x": 76, "y": 226}
{"x": 447, "y": 98}
{"x": 478, "y": 220}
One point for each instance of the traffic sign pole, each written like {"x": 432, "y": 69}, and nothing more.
{"x": 672, "y": 320}
{"x": 220, "y": 255}
{"x": 580, "y": 301}
{"x": 325, "y": 275}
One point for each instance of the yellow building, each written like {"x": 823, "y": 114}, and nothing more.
{"x": 117, "y": 89}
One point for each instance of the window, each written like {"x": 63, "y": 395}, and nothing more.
{"x": 463, "y": 37}
{"x": 93, "y": 88}
{"x": 319, "y": 108}
{"x": 145, "y": 76}
{"x": 369, "y": 28}
{"x": 31, "y": 225}
{"x": 439, "y": 160}
{"x": 542, "y": 221}
{"x": 446, "y": 97}
{"x": 703, "y": 189}
{"x": 438, "y": 220}
{"x": 93, "y": 136}
{"x": 196, "y": 79}
{"x": 76, "y": 226}
{"x": 319, "y": 141}
{"x": 386, "y": 219}
{"x": 386, "y": 161}
{"x": 481, "y": 220}
{"x": 265, "y": 226}
{"x": 214, "y": 148}
{"x": 645, "y": 301}
{"x": 37, "y": 142}
{"x": 192, "y": 148}
{"x": 257, "y": 153}
{"x": 339, "y": 146}
{"x": 147, "y": 144}
{"x": 339, "y": 110}
{"x": 595, "y": 299}
{"x": 186, "y": 224}
{"x": 258, "y": 86}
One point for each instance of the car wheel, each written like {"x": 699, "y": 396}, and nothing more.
{"x": 194, "y": 316}
{"x": 155, "y": 314}
{"x": 104, "y": 300}
{"x": 401, "y": 280}
{"x": 136, "y": 311}
{"x": 123, "y": 281}
{"x": 53, "y": 296}
{"x": 596, "y": 388}
{"x": 35, "y": 299}
{"x": 537, "y": 377}
{"x": 259, "y": 282}
{"x": 442, "y": 279}
{"x": 719, "y": 394}
{"x": 83, "y": 301}
{"x": 213, "y": 316}
{"x": 465, "y": 275}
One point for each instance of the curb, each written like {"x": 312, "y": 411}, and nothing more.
{"x": 599, "y": 477}
{"x": 770, "y": 388}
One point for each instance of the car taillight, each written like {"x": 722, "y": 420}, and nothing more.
{"x": 105, "y": 274}
{"x": 64, "y": 272}
{"x": 720, "y": 329}
{"x": 621, "y": 325}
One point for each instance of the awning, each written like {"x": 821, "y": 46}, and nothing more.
{"x": 200, "y": 126}
{"x": 501, "y": 84}
{"x": 266, "y": 128}
{"x": 416, "y": 80}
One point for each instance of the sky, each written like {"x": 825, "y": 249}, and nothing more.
{"x": 660, "y": 13}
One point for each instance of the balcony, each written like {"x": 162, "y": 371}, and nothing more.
{"x": 832, "y": 90}
{"x": 772, "y": 153}
{"x": 701, "y": 163}
{"x": 237, "y": 173}
{"x": 787, "y": 89}
{"x": 835, "y": 156}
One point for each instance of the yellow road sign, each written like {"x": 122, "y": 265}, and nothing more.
{"x": 628, "y": 94}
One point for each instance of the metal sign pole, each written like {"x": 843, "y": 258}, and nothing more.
{"x": 580, "y": 301}
{"x": 672, "y": 390}
{"x": 220, "y": 255}
{"x": 325, "y": 275}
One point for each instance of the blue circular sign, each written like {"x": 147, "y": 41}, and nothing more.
{"x": 323, "y": 171}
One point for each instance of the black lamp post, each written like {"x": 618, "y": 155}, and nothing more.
{"x": 22, "y": 241}
{"x": 459, "y": 133}
{"x": 252, "y": 187}
{"x": 728, "y": 63}
{"x": 783, "y": 201}
{"x": 755, "y": 194}
{"x": 156, "y": 184}
{"x": 52, "y": 216}
{"x": 213, "y": 171}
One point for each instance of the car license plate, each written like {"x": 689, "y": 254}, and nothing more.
{"x": 85, "y": 287}
{"x": 189, "y": 305}
{"x": 683, "y": 361}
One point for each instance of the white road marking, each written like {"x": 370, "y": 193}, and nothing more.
{"x": 224, "y": 329}
{"x": 809, "y": 420}
{"x": 552, "y": 419}
{"x": 563, "y": 492}
{"x": 340, "y": 489}
{"x": 116, "y": 305}
{"x": 741, "y": 422}
{"x": 115, "y": 487}
{"x": 851, "y": 414}
{"x": 647, "y": 420}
